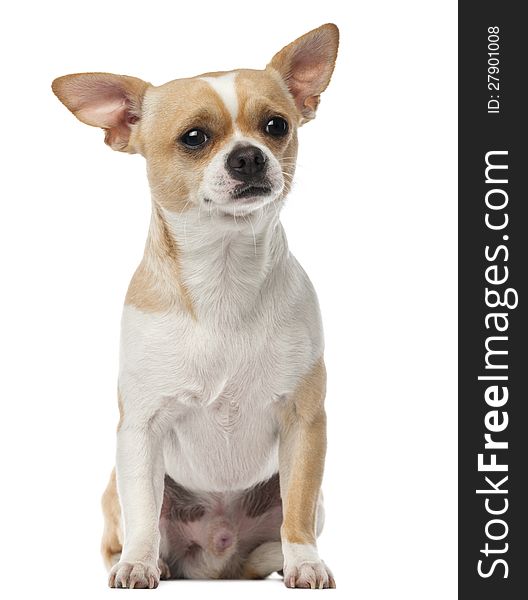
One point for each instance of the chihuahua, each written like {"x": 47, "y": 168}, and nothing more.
{"x": 221, "y": 439}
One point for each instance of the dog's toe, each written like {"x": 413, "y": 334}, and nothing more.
{"x": 164, "y": 569}
{"x": 309, "y": 574}
{"x": 135, "y": 575}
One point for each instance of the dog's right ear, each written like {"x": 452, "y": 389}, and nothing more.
{"x": 112, "y": 102}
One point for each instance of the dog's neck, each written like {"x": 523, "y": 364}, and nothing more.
{"x": 221, "y": 263}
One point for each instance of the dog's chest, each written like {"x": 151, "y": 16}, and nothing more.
{"x": 226, "y": 412}
{"x": 226, "y": 436}
{"x": 216, "y": 392}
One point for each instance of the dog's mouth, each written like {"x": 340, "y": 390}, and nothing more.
{"x": 250, "y": 191}
{"x": 244, "y": 198}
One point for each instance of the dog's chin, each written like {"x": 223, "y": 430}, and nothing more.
{"x": 243, "y": 201}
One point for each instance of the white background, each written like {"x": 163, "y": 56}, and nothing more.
{"x": 372, "y": 219}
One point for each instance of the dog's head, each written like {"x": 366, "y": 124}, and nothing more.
{"x": 226, "y": 140}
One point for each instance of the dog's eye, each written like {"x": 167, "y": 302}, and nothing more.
{"x": 277, "y": 127}
{"x": 194, "y": 138}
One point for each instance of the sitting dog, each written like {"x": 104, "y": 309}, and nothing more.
{"x": 222, "y": 433}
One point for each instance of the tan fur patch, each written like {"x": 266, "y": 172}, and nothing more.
{"x": 121, "y": 410}
{"x": 112, "y": 542}
{"x": 301, "y": 457}
{"x": 156, "y": 285}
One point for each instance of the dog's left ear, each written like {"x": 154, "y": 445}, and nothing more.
{"x": 306, "y": 66}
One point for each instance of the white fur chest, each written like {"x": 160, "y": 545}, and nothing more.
{"x": 210, "y": 385}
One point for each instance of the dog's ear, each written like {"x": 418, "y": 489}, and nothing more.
{"x": 112, "y": 102}
{"x": 306, "y": 66}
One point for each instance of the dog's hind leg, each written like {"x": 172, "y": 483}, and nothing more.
{"x": 112, "y": 542}
{"x": 263, "y": 560}
{"x": 268, "y": 558}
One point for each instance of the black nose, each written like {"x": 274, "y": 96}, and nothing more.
{"x": 246, "y": 163}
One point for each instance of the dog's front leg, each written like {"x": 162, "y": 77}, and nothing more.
{"x": 302, "y": 452}
{"x": 140, "y": 481}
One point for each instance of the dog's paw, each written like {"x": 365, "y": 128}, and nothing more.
{"x": 304, "y": 569}
{"x": 134, "y": 575}
{"x": 312, "y": 574}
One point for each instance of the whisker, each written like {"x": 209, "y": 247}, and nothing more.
{"x": 260, "y": 214}
{"x": 185, "y": 221}
{"x": 254, "y": 238}
{"x": 276, "y": 210}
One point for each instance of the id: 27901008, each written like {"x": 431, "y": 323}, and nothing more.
{"x": 493, "y": 70}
